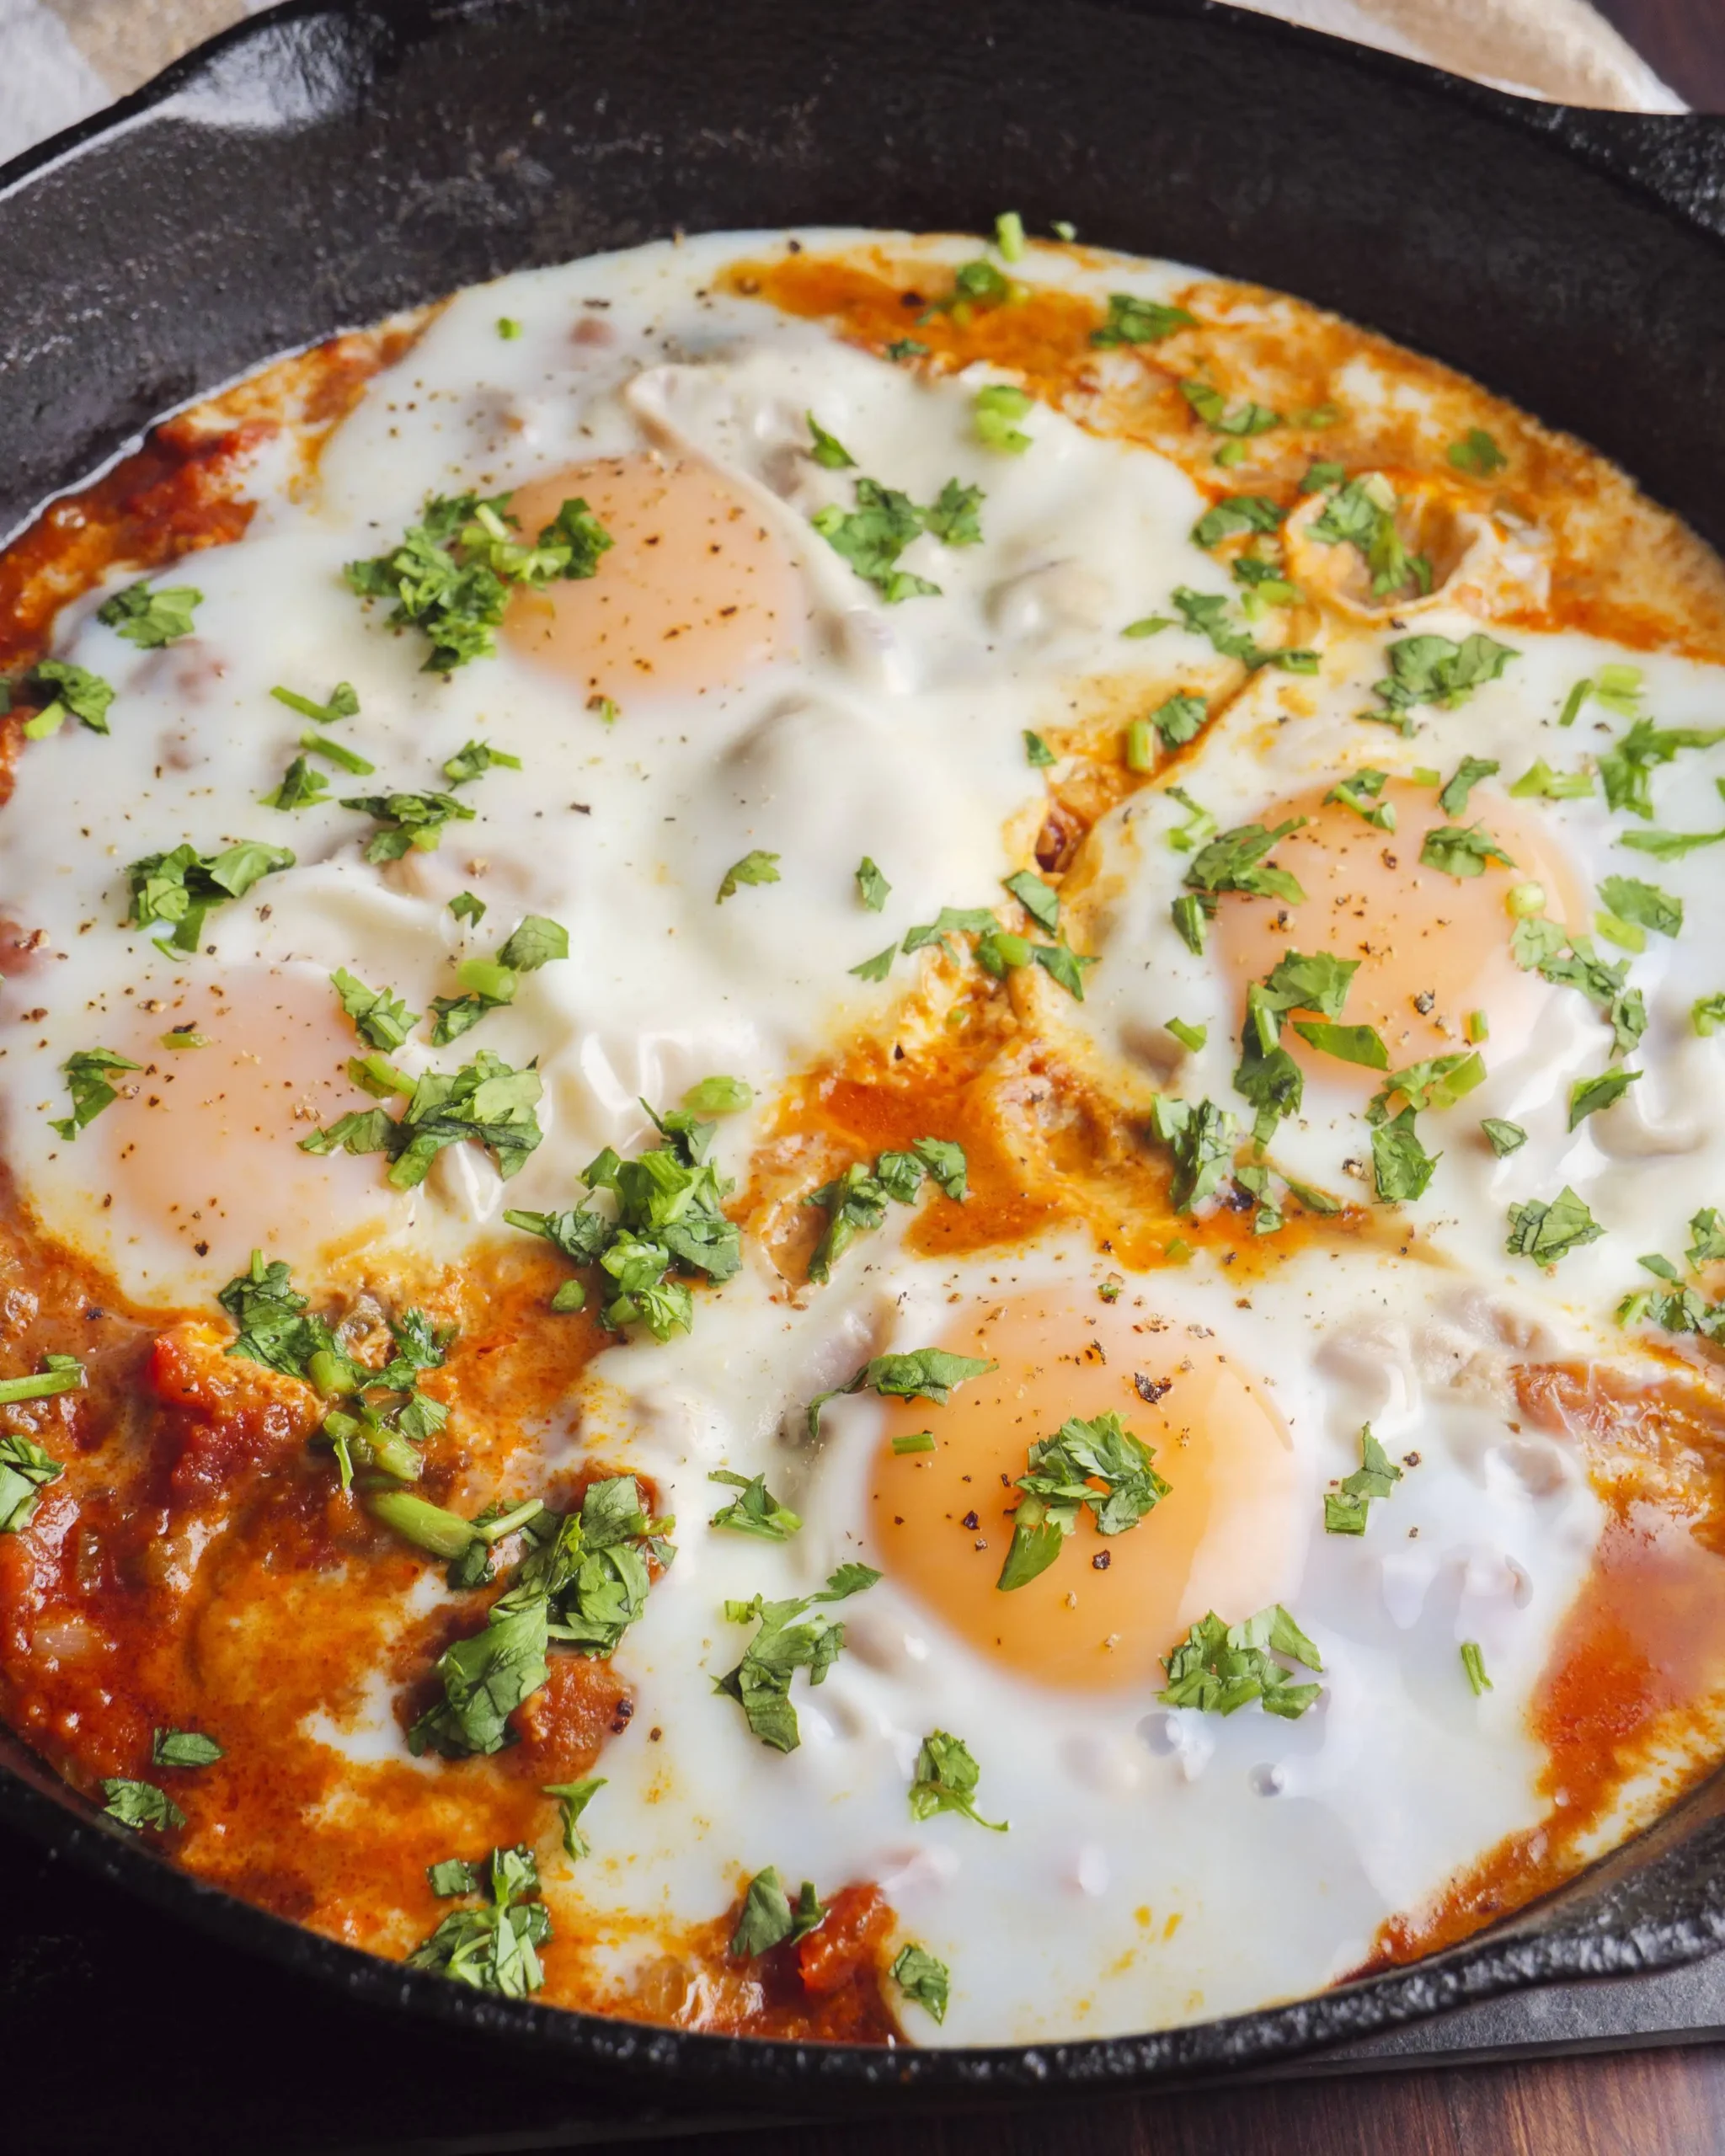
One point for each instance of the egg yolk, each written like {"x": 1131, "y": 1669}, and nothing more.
{"x": 1432, "y": 948}
{"x": 696, "y": 591}
{"x": 200, "y": 1163}
{"x": 1227, "y": 1535}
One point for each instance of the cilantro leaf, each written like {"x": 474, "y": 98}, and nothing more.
{"x": 1040, "y": 900}
{"x": 1361, "y": 1045}
{"x": 1057, "y": 1485}
{"x": 1546, "y": 1232}
{"x": 1360, "y": 792}
{"x": 1504, "y": 1137}
{"x": 1453, "y": 800}
{"x": 997, "y": 409}
{"x": 1219, "y": 1668}
{"x": 1627, "y": 766}
{"x": 342, "y": 703}
{"x": 407, "y": 822}
{"x": 1345, "y": 1509}
{"x": 573, "y": 1799}
{"x": 769, "y": 1919}
{"x": 754, "y": 868}
{"x": 872, "y": 887}
{"x": 1037, "y": 752}
{"x": 757, "y": 1511}
{"x": 493, "y": 1948}
{"x": 138, "y": 1805}
{"x": 1461, "y": 852}
{"x": 918, "y": 1374}
{"x": 1133, "y": 321}
{"x": 452, "y": 574}
{"x": 919, "y": 1976}
{"x": 74, "y": 689}
{"x": 302, "y": 787}
{"x": 270, "y": 1314}
{"x": 1362, "y": 515}
{"x": 150, "y": 618}
{"x": 183, "y": 1748}
{"x": 87, "y": 1071}
{"x": 1643, "y": 904}
{"x": 475, "y": 760}
{"x": 1201, "y": 1139}
{"x": 1476, "y": 454}
{"x": 827, "y": 448}
{"x": 871, "y": 536}
{"x": 181, "y": 889}
{"x": 1401, "y": 1167}
{"x": 1588, "y": 1095}
{"x": 1235, "y": 514}
{"x": 1434, "y": 669}
{"x": 485, "y": 1101}
{"x": 25, "y": 1468}
{"x": 945, "y": 1781}
{"x": 794, "y": 1634}
{"x": 379, "y": 1015}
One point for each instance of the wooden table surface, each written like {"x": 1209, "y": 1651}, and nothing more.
{"x": 1644, "y": 2102}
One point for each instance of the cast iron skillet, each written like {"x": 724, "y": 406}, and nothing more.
{"x": 320, "y": 166}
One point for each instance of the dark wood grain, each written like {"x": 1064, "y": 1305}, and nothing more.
{"x": 1647, "y": 2103}
{"x": 1684, "y": 39}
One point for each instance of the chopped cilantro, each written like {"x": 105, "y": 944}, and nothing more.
{"x": 68, "y": 689}
{"x": 945, "y": 1781}
{"x": 379, "y": 1015}
{"x": 495, "y": 1947}
{"x": 452, "y": 575}
{"x": 1219, "y": 1668}
{"x": 138, "y": 1805}
{"x": 302, "y": 787}
{"x": 876, "y": 968}
{"x": 998, "y": 408}
{"x": 150, "y": 618}
{"x": 1237, "y": 860}
{"x": 793, "y": 1635}
{"x": 754, "y": 868}
{"x": 872, "y": 887}
{"x": 1434, "y": 669}
{"x": 919, "y": 1976}
{"x": 1362, "y": 515}
{"x": 757, "y": 1511}
{"x": 1059, "y": 1483}
{"x": 1476, "y": 454}
{"x": 25, "y": 1469}
{"x": 181, "y": 889}
{"x": 718, "y": 1096}
{"x": 1627, "y": 766}
{"x": 1461, "y": 852}
{"x": 466, "y": 907}
{"x": 1202, "y": 1139}
{"x": 1588, "y": 1095}
{"x": 1345, "y": 1509}
{"x": 485, "y": 1101}
{"x": 342, "y": 703}
{"x": 1133, "y": 321}
{"x": 408, "y": 821}
{"x": 1040, "y": 900}
{"x": 1504, "y": 1137}
{"x": 769, "y": 1918}
{"x": 1453, "y": 800}
{"x": 827, "y": 450}
{"x": 573, "y": 1799}
{"x": 1240, "y": 420}
{"x": 919, "y": 1374}
{"x": 87, "y": 1071}
{"x": 1037, "y": 752}
{"x": 1235, "y": 514}
{"x": 1401, "y": 1167}
{"x": 476, "y": 758}
{"x": 582, "y": 1583}
{"x": 1360, "y": 792}
{"x": 183, "y": 1748}
{"x": 1546, "y": 1232}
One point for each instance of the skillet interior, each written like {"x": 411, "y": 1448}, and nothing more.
{"x": 315, "y": 169}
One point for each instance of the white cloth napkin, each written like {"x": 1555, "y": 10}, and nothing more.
{"x": 60, "y": 60}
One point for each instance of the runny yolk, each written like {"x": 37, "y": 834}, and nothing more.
{"x": 199, "y": 1158}
{"x": 1228, "y": 1535}
{"x": 696, "y": 591}
{"x": 1432, "y": 948}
